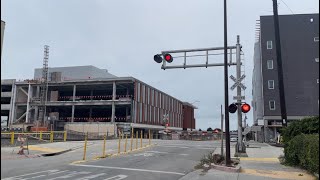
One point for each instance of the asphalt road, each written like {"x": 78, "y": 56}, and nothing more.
{"x": 168, "y": 160}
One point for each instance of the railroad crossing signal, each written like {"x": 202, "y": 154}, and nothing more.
{"x": 233, "y": 108}
{"x": 238, "y": 97}
{"x": 157, "y": 58}
{"x": 244, "y": 108}
{"x": 167, "y": 57}
{"x": 237, "y": 82}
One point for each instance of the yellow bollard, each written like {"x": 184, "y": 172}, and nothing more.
{"x": 85, "y": 147}
{"x": 119, "y": 143}
{"x": 104, "y": 145}
{"x": 141, "y": 140}
{"x": 40, "y": 135}
{"x": 137, "y": 133}
{"x": 131, "y": 139}
{"x": 12, "y": 138}
{"x": 125, "y": 145}
{"x": 65, "y": 136}
{"x": 51, "y": 136}
{"x": 149, "y": 137}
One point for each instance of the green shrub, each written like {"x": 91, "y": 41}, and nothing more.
{"x": 309, "y": 125}
{"x": 303, "y": 151}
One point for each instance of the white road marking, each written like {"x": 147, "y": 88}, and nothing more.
{"x": 74, "y": 173}
{"x": 19, "y": 177}
{"x": 48, "y": 174}
{"x": 144, "y": 154}
{"x": 160, "y": 152}
{"x": 157, "y": 152}
{"x": 119, "y": 177}
{"x": 128, "y": 169}
{"x": 184, "y": 147}
{"x": 70, "y": 175}
{"x": 92, "y": 176}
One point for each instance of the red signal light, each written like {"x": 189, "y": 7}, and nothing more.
{"x": 168, "y": 58}
{"x": 245, "y": 108}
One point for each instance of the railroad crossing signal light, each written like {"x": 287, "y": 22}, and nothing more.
{"x": 168, "y": 58}
{"x": 245, "y": 108}
{"x": 157, "y": 58}
{"x": 233, "y": 108}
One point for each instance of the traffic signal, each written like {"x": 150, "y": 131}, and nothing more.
{"x": 157, "y": 58}
{"x": 245, "y": 108}
{"x": 233, "y": 108}
{"x": 168, "y": 58}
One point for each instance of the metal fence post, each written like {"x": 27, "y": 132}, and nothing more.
{"x": 137, "y": 134}
{"x": 149, "y": 137}
{"x": 65, "y": 136}
{"x": 141, "y": 140}
{"x": 85, "y": 146}
{"x": 51, "y": 136}
{"x": 131, "y": 139}
{"x": 12, "y": 138}
{"x": 104, "y": 146}
{"x": 40, "y": 137}
{"x": 125, "y": 145}
{"x": 119, "y": 142}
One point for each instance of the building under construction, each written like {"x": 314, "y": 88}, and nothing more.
{"x": 86, "y": 98}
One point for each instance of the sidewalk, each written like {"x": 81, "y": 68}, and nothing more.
{"x": 262, "y": 163}
{"x": 94, "y": 149}
{"x": 39, "y": 150}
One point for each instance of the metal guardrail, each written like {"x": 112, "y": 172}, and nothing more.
{"x": 50, "y": 136}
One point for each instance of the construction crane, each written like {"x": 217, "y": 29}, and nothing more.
{"x": 44, "y": 87}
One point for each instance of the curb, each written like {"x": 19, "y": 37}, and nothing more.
{"x": 109, "y": 155}
{"x": 55, "y": 153}
{"x": 226, "y": 169}
{"x": 64, "y": 151}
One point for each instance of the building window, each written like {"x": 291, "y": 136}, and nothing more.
{"x": 316, "y": 59}
{"x": 270, "y": 84}
{"x": 270, "y": 64}
{"x": 269, "y": 44}
{"x": 316, "y": 39}
{"x": 272, "y": 105}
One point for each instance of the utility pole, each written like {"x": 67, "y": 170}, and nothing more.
{"x": 226, "y": 91}
{"x": 221, "y": 131}
{"x": 239, "y": 146}
{"x": 279, "y": 64}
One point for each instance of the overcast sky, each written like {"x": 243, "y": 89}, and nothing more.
{"x": 123, "y": 35}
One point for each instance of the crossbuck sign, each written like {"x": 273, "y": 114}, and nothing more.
{"x": 237, "y": 82}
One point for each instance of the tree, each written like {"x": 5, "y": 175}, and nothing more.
{"x": 200, "y": 130}
{"x": 209, "y": 129}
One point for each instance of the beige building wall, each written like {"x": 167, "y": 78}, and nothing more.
{"x": 2, "y": 33}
